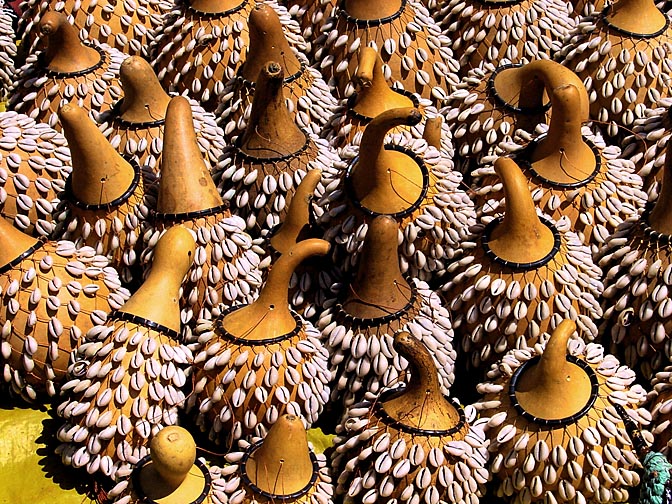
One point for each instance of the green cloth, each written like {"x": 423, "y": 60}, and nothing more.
{"x": 656, "y": 474}
{"x": 30, "y": 471}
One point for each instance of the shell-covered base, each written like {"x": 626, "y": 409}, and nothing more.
{"x": 225, "y": 267}
{"x": 231, "y": 486}
{"x": 34, "y": 163}
{"x": 497, "y": 306}
{"x": 624, "y": 75}
{"x": 307, "y": 97}
{"x": 430, "y": 231}
{"x": 380, "y": 461}
{"x": 50, "y": 299}
{"x": 39, "y": 93}
{"x": 659, "y": 402}
{"x": 362, "y": 359}
{"x": 416, "y": 54}
{"x": 8, "y": 52}
{"x": 261, "y": 190}
{"x": 585, "y": 459}
{"x": 592, "y": 208}
{"x": 113, "y": 229}
{"x": 126, "y": 25}
{"x": 637, "y": 265}
{"x": 127, "y": 381}
{"x": 243, "y": 386}
{"x": 517, "y": 31}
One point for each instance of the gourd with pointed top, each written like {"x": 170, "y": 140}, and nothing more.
{"x": 311, "y": 102}
{"x": 128, "y": 375}
{"x": 281, "y": 467}
{"x": 225, "y": 263}
{"x": 359, "y": 324}
{"x": 553, "y": 427}
{"x": 170, "y": 474}
{"x": 36, "y": 161}
{"x": 260, "y": 360}
{"x": 102, "y": 205}
{"x": 135, "y": 125}
{"x": 401, "y": 177}
{"x": 200, "y": 46}
{"x": 373, "y": 96}
{"x": 637, "y": 263}
{"x": 529, "y": 271}
{"x": 488, "y": 37}
{"x": 575, "y": 178}
{"x": 421, "y": 63}
{"x": 121, "y": 25}
{"x": 260, "y": 172}
{"x": 52, "y": 295}
{"x": 618, "y": 49}
{"x": 411, "y": 442}
{"x": 68, "y": 71}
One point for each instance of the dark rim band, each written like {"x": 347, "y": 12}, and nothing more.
{"x": 115, "y": 112}
{"x": 137, "y": 319}
{"x": 214, "y": 15}
{"x": 368, "y": 23}
{"x": 605, "y": 13}
{"x": 378, "y": 321}
{"x": 485, "y": 238}
{"x": 26, "y": 253}
{"x": 267, "y": 341}
{"x": 350, "y": 190}
{"x": 254, "y": 159}
{"x": 78, "y": 73}
{"x": 350, "y": 112}
{"x": 556, "y": 422}
{"x": 275, "y": 497}
{"x": 196, "y": 214}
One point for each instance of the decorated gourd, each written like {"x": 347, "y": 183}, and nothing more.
{"x": 411, "y": 444}
{"x": 623, "y": 56}
{"x": 52, "y": 295}
{"x": 518, "y": 276}
{"x": 34, "y": 163}
{"x": 67, "y": 71}
{"x": 135, "y": 125}
{"x": 259, "y": 174}
{"x": 492, "y": 102}
{"x": 170, "y": 474}
{"x": 200, "y": 46}
{"x": 8, "y": 51}
{"x": 504, "y": 31}
{"x": 401, "y": 177}
{"x": 415, "y": 53}
{"x": 373, "y": 96}
{"x": 575, "y": 179}
{"x": 225, "y": 263}
{"x": 260, "y": 360}
{"x": 659, "y": 403}
{"x": 555, "y": 434}
{"x": 637, "y": 265}
{"x": 127, "y": 376}
{"x": 308, "y": 96}
{"x": 102, "y": 203}
{"x": 359, "y": 324}
{"x": 310, "y": 14}
{"x": 126, "y": 25}
{"x": 278, "y": 468}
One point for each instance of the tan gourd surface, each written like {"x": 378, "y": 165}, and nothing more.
{"x": 563, "y": 156}
{"x": 282, "y": 464}
{"x": 267, "y": 43}
{"x": 379, "y": 288}
{"x": 364, "y": 9}
{"x": 521, "y": 237}
{"x": 186, "y": 184}
{"x": 14, "y": 242}
{"x": 374, "y": 95}
{"x": 660, "y": 217}
{"x": 269, "y": 316}
{"x": 144, "y": 98}
{"x": 554, "y": 388}
{"x": 298, "y": 214}
{"x": 271, "y": 131}
{"x": 387, "y": 181}
{"x": 215, "y": 6}
{"x": 433, "y": 131}
{"x": 172, "y": 259}
{"x": 421, "y": 404}
{"x": 636, "y": 16}
{"x": 99, "y": 174}
{"x": 172, "y": 477}
{"x": 65, "y": 52}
